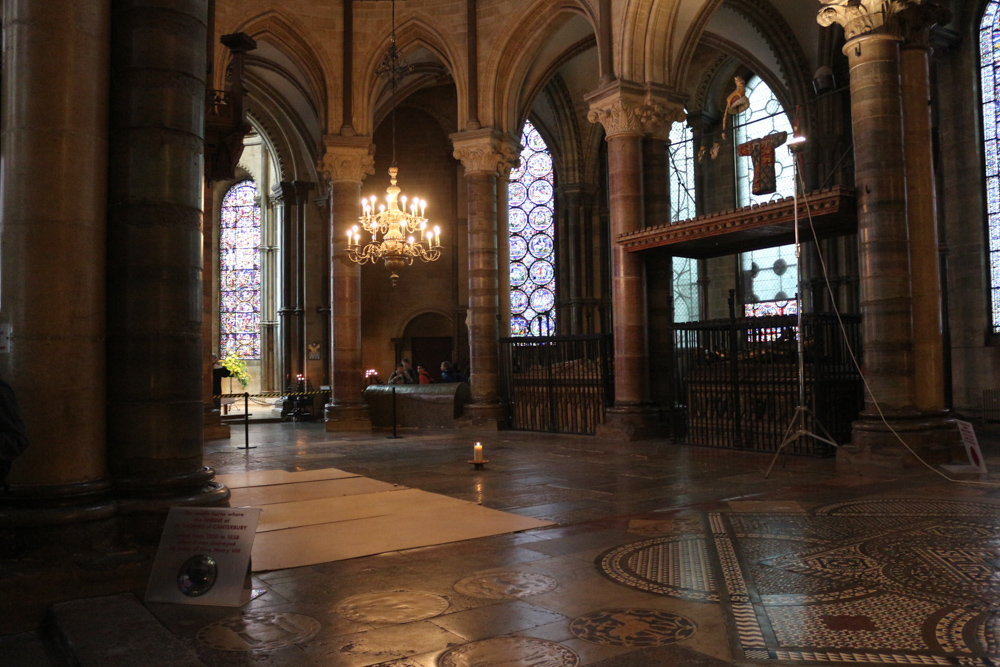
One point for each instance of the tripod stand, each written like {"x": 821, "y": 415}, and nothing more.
{"x": 798, "y": 422}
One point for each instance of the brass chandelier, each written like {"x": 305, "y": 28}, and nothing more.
{"x": 398, "y": 235}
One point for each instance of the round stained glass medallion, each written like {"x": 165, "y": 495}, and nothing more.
{"x": 518, "y": 248}
{"x": 535, "y": 141}
{"x": 517, "y": 219}
{"x": 540, "y": 218}
{"x": 542, "y": 272}
{"x": 518, "y": 301}
{"x": 518, "y": 274}
{"x": 516, "y": 193}
{"x": 541, "y": 246}
{"x": 540, "y": 192}
{"x": 539, "y": 165}
{"x": 542, "y": 300}
{"x": 518, "y": 326}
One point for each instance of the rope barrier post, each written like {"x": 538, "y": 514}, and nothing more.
{"x": 246, "y": 422}
{"x": 394, "y": 436}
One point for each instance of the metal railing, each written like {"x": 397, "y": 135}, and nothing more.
{"x": 736, "y": 381}
{"x": 560, "y": 384}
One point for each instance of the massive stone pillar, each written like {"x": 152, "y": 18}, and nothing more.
{"x": 484, "y": 154}
{"x": 873, "y": 31}
{"x": 348, "y": 160}
{"x": 921, "y": 198}
{"x": 52, "y": 252}
{"x": 628, "y": 112}
{"x": 158, "y": 54}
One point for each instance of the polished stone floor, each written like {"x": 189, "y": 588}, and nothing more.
{"x": 661, "y": 555}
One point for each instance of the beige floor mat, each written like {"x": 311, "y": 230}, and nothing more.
{"x": 323, "y": 519}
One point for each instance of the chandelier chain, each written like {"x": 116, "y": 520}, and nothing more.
{"x": 398, "y": 235}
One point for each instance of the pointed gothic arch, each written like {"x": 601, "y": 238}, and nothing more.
{"x": 282, "y": 33}
{"x": 412, "y": 33}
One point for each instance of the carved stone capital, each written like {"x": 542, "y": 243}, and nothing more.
{"x": 627, "y": 108}
{"x": 915, "y": 23}
{"x": 486, "y": 151}
{"x": 347, "y": 159}
{"x": 862, "y": 17}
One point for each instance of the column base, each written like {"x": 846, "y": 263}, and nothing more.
{"x": 630, "y": 423}
{"x": 340, "y": 417}
{"x": 481, "y": 416}
{"x": 874, "y": 446}
{"x": 57, "y": 504}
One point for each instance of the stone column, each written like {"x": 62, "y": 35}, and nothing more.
{"x": 873, "y": 36}
{"x": 154, "y": 293}
{"x": 284, "y": 194}
{"x": 574, "y": 211}
{"x": 299, "y": 351}
{"x": 659, "y": 273}
{"x": 484, "y": 154}
{"x": 921, "y": 198}
{"x": 54, "y": 147}
{"x": 627, "y": 111}
{"x": 503, "y": 252}
{"x": 213, "y": 428}
{"x": 348, "y": 160}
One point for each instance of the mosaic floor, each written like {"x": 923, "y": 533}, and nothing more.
{"x": 871, "y": 581}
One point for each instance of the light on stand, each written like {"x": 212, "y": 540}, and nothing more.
{"x": 797, "y": 428}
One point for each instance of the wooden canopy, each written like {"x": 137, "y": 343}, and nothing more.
{"x": 833, "y": 212}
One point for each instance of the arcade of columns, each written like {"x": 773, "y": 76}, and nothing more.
{"x": 123, "y": 321}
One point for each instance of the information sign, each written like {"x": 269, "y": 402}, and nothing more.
{"x": 203, "y": 556}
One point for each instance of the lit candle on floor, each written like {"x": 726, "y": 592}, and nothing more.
{"x": 479, "y": 453}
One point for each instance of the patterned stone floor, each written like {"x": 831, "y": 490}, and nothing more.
{"x": 901, "y": 581}
{"x": 662, "y": 555}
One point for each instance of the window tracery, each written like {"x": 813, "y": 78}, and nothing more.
{"x": 531, "y": 236}
{"x": 239, "y": 272}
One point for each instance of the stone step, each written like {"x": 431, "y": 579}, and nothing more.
{"x": 117, "y": 631}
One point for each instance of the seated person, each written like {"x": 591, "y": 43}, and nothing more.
{"x": 451, "y": 374}
{"x": 399, "y": 375}
{"x": 425, "y": 377}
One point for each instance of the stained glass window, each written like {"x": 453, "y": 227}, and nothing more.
{"x": 770, "y": 275}
{"x": 532, "y": 248}
{"x": 239, "y": 272}
{"x": 989, "y": 49}
{"x": 680, "y": 168}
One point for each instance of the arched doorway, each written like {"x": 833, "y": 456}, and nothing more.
{"x": 428, "y": 337}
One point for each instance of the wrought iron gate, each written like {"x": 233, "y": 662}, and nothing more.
{"x": 736, "y": 381}
{"x": 559, "y": 384}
